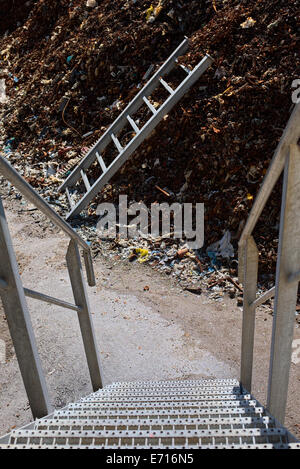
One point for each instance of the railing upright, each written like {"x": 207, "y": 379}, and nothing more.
{"x": 13, "y": 296}
{"x": 248, "y": 328}
{"x": 19, "y": 323}
{"x": 84, "y": 315}
{"x": 288, "y": 263}
{"x": 287, "y": 158}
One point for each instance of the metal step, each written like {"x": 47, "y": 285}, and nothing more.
{"x": 164, "y": 398}
{"x": 166, "y": 389}
{"x": 95, "y": 154}
{"x": 173, "y": 383}
{"x": 155, "y": 424}
{"x": 162, "y": 405}
{"x": 196, "y": 415}
{"x": 165, "y": 438}
{"x": 104, "y": 414}
{"x": 188, "y": 391}
{"x": 163, "y": 394}
{"x": 270, "y": 446}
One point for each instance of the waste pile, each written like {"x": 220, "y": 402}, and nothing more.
{"x": 70, "y": 68}
{"x": 13, "y": 13}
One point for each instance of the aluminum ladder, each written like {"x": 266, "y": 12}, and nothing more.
{"x": 203, "y": 414}
{"x": 95, "y": 154}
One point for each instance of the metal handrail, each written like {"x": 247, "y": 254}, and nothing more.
{"x": 263, "y": 298}
{"x": 275, "y": 169}
{"x": 30, "y": 194}
{"x": 13, "y": 295}
{"x": 287, "y": 159}
{"x": 50, "y": 300}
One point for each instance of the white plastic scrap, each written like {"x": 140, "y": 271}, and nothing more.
{"x": 91, "y": 3}
{"x": 222, "y": 248}
{"x": 249, "y": 23}
{"x": 3, "y": 97}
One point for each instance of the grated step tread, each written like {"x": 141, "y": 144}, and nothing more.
{"x": 202, "y": 414}
{"x": 263, "y": 446}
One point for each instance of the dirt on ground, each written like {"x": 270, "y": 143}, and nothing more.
{"x": 146, "y": 326}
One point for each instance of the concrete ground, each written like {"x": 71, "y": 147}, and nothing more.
{"x": 160, "y": 332}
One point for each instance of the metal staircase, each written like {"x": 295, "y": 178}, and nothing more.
{"x": 94, "y": 162}
{"x": 208, "y": 414}
{"x": 204, "y": 414}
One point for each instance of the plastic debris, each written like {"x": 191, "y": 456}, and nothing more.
{"x": 149, "y": 12}
{"x": 222, "y": 248}
{"x": 148, "y": 72}
{"x": 143, "y": 254}
{"x": 182, "y": 252}
{"x": 3, "y": 97}
{"x": 69, "y": 59}
{"x": 249, "y": 23}
{"x": 91, "y": 3}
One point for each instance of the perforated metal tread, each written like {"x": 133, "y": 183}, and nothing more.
{"x": 175, "y": 383}
{"x": 104, "y": 414}
{"x": 157, "y": 424}
{"x": 187, "y": 414}
{"x": 160, "y": 392}
{"x": 165, "y": 438}
{"x": 171, "y": 405}
{"x": 280, "y": 446}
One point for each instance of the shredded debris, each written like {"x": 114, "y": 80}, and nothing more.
{"x": 70, "y": 67}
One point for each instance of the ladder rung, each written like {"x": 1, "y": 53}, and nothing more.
{"x": 117, "y": 143}
{"x": 150, "y": 106}
{"x": 133, "y": 124}
{"x": 69, "y": 198}
{"x": 101, "y": 162}
{"x": 85, "y": 180}
{"x": 186, "y": 69}
{"x": 167, "y": 87}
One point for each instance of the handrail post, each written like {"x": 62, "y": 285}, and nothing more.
{"x": 241, "y": 266}
{"x": 288, "y": 262}
{"x": 250, "y": 256}
{"x": 84, "y": 315}
{"x": 20, "y": 327}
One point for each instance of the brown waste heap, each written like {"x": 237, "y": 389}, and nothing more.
{"x": 214, "y": 147}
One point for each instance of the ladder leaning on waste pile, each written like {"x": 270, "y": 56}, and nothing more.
{"x": 94, "y": 155}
